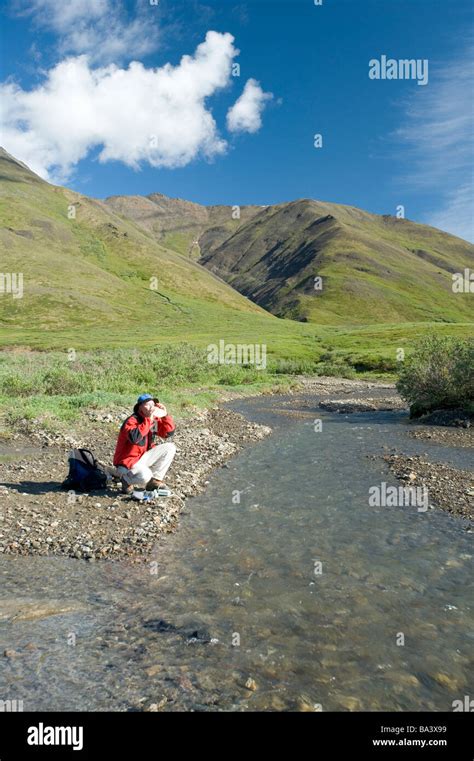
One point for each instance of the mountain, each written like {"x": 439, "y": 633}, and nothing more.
{"x": 373, "y": 269}
{"x": 183, "y": 226}
{"x": 86, "y": 268}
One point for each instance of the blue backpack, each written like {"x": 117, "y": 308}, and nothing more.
{"x": 84, "y": 475}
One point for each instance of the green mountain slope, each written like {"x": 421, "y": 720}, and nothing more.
{"x": 374, "y": 269}
{"x": 85, "y": 268}
{"x": 183, "y": 226}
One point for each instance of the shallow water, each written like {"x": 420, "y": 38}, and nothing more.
{"x": 300, "y": 586}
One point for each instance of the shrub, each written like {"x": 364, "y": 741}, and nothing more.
{"x": 439, "y": 374}
{"x": 64, "y": 382}
{"x": 292, "y": 367}
{"x": 336, "y": 369}
{"x": 15, "y": 384}
{"x": 374, "y": 364}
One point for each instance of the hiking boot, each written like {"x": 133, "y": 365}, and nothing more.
{"x": 126, "y": 487}
{"x": 158, "y": 488}
{"x": 153, "y": 484}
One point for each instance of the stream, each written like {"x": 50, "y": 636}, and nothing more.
{"x": 282, "y": 589}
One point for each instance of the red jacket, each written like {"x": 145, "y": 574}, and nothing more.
{"x": 138, "y": 435}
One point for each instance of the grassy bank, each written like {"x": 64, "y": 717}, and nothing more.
{"x": 57, "y": 385}
{"x": 54, "y": 387}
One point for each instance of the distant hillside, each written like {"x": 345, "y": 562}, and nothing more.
{"x": 374, "y": 269}
{"x": 86, "y": 267}
{"x": 183, "y": 226}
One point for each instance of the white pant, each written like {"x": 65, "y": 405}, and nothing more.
{"x": 153, "y": 464}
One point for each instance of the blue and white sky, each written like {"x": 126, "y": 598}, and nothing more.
{"x": 130, "y": 97}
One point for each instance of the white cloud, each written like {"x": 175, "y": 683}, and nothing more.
{"x": 99, "y": 28}
{"x": 246, "y": 113}
{"x": 61, "y": 15}
{"x": 456, "y": 217}
{"x": 439, "y": 136}
{"x": 134, "y": 115}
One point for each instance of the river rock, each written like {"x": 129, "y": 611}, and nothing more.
{"x": 304, "y": 704}
{"x": 33, "y": 610}
{"x": 450, "y": 682}
{"x": 350, "y": 702}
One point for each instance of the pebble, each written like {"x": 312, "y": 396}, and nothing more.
{"x": 153, "y": 707}
{"x": 305, "y": 705}
{"x": 349, "y": 702}
{"x": 251, "y": 684}
{"x": 448, "y": 681}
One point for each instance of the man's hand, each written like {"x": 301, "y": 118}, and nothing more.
{"x": 159, "y": 410}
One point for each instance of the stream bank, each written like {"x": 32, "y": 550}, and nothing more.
{"x": 283, "y": 590}
{"x": 36, "y": 518}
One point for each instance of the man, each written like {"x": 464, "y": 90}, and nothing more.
{"x": 140, "y": 460}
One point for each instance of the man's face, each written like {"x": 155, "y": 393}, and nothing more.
{"x": 146, "y": 408}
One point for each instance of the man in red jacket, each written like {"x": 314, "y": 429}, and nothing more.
{"x": 138, "y": 457}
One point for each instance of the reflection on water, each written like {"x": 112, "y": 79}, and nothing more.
{"x": 280, "y": 573}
